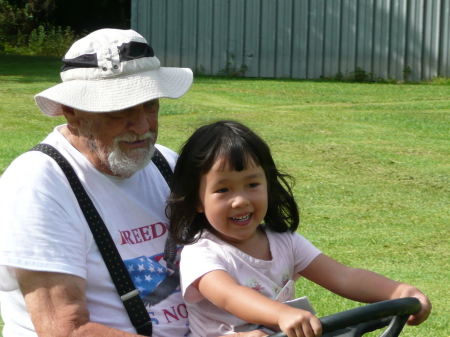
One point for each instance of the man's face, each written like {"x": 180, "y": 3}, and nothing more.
{"x": 120, "y": 142}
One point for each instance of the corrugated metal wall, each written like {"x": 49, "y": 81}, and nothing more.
{"x": 300, "y": 38}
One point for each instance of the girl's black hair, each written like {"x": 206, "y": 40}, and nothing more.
{"x": 238, "y": 144}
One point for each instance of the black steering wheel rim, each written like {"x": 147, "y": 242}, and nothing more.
{"x": 375, "y": 311}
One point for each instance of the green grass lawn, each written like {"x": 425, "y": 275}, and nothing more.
{"x": 371, "y": 163}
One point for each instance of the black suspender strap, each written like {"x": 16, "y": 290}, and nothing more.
{"x": 121, "y": 278}
{"x": 163, "y": 166}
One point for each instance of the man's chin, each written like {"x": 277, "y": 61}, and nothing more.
{"x": 127, "y": 163}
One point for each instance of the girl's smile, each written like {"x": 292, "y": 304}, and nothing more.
{"x": 234, "y": 202}
{"x": 241, "y": 220}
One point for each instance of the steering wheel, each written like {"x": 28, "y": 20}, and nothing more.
{"x": 358, "y": 321}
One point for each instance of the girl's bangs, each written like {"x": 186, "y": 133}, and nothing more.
{"x": 237, "y": 157}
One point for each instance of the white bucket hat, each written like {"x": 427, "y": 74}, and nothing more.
{"x": 110, "y": 70}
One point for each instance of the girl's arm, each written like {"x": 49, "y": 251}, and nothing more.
{"x": 363, "y": 285}
{"x": 249, "y": 305}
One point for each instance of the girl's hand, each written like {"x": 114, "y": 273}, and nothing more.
{"x": 410, "y": 291}
{"x": 299, "y": 323}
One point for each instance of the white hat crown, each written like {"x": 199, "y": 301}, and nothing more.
{"x": 102, "y": 55}
{"x": 110, "y": 70}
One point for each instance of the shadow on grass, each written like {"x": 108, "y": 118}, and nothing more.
{"x": 436, "y": 81}
{"x": 26, "y": 69}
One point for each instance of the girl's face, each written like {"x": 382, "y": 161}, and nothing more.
{"x": 234, "y": 202}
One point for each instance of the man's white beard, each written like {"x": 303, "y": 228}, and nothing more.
{"x": 126, "y": 163}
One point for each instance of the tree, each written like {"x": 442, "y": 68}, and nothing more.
{"x": 16, "y": 21}
{"x": 95, "y": 14}
{"x": 20, "y": 18}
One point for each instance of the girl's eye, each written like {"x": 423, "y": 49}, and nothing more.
{"x": 253, "y": 185}
{"x": 222, "y": 190}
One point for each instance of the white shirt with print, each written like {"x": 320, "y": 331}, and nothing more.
{"x": 291, "y": 253}
{"x": 42, "y": 228}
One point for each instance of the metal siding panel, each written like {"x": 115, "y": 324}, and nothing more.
{"x": 419, "y": 39}
{"x": 144, "y": 10}
{"x": 432, "y": 44}
{"x": 134, "y": 15}
{"x": 315, "y": 38}
{"x": 397, "y": 40}
{"x": 364, "y": 39}
{"x": 188, "y": 34}
{"x": 173, "y": 33}
{"x": 331, "y": 38}
{"x": 320, "y": 46}
{"x": 410, "y": 40}
{"x": 156, "y": 29}
{"x": 141, "y": 10}
{"x": 268, "y": 34}
{"x": 283, "y": 39}
{"x": 220, "y": 36}
{"x": 236, "y": 32}
{"x": 427, "y": 37}
{"x": 381, "y": 38}
{"x": 204, "y": 31}
{"x": 444, "y": 54}
{"x": 137, "y": 23}
{"x": 300, "y": 39}
{"x": 312, "y": 39}
{"x": 403, "y": 33}
{"x": 252, "y": 38}
{"x": 415, "y": 39}
{"x": 148, "y": 10}
{"x": 348, "y": 36}
{"x": 385, "y": 39}
{"x": 446, "y": 46}
{"x": 393, "y": 38}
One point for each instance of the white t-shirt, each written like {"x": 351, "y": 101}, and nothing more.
{"x": 42, "y": 228}
{"x": 291, "y": 253}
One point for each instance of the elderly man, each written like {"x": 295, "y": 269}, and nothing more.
{"x": 54, "y": 279}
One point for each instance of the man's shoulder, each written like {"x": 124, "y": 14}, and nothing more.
{"x": 170, "y": 155}
{"x": 165, "y": 150}
{"x": 31, "y": 168}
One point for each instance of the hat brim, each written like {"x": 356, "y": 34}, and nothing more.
{"x": 115, "y": 93}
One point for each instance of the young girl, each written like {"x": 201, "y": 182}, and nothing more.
{"x": 237, "y": 215}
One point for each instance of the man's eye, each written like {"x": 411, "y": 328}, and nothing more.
{"x": 116, "y": 116}
{"x": 151, "y": 104}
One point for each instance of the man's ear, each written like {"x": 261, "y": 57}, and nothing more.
{"x": 71, "y": 116}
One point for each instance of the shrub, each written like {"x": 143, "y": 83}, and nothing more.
{"x": 53, "y": 41}
{"x": 15, "y": 22}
